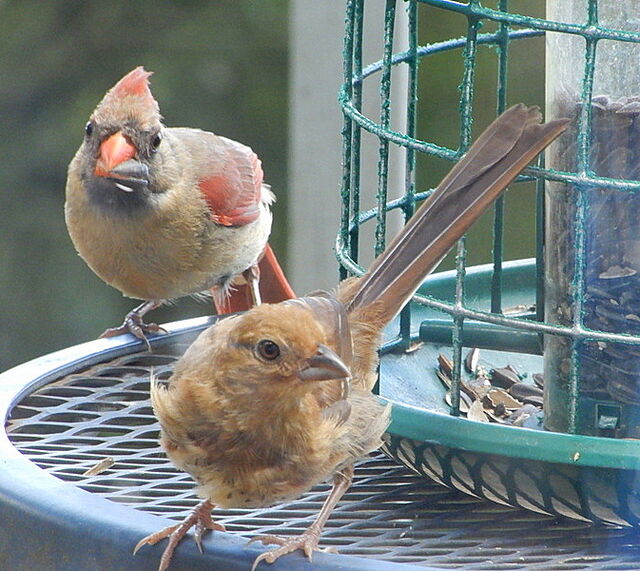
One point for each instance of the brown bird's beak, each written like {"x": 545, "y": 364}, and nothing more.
{"x": 324, "y": 365}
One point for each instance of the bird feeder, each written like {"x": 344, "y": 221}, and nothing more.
{"x": 82, "y": 475}
{"x": 592, "y": 229}
{"x": 559, "y": 333}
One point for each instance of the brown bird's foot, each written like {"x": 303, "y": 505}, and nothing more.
{"x": 133, "y": 323}
{"x": 200, "y": 518}
{"x": 308, "y": 542}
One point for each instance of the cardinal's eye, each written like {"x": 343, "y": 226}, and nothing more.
{"x": 88, "y": 129}
{"x": 155, "y": 142}
{"x": 268, "y": 349}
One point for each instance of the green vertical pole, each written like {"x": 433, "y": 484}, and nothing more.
{"x": 498, "y": 220}
{"x": 385, "y": 118}
{"x": 583, "y": 168}
{"x": 347, "y": 129}
{"x": 466, "y": 102}
{"x": 410, "y": 165}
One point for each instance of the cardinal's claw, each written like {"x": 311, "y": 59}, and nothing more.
{"x": 155, "y": 537}
{"x": 134, "y": 324}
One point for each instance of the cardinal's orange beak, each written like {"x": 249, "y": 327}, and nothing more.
{"x": 114, "y": 151}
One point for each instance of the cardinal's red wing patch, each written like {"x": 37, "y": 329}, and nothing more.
{"x": 233, "y": 193}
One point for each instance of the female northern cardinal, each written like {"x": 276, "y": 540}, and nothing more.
{"x": 267, "y": 404}
{"x": 160, "y": 213}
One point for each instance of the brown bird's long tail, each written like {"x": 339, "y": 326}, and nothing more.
{"x": 501, "y": 152}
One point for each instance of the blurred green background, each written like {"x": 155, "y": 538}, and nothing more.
{"x": 220, "y": 66}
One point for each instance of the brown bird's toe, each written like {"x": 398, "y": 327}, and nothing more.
{"x": 199, "y": 517}
{"x": 307, "y": 542}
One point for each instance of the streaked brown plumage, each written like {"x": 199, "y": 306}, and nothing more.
{"x": 267, "y": 404}
{"x": 159, "y": 212}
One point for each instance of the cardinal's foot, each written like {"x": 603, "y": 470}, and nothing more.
{"x": 133, "y": 323}
{"x": 308, "y": 542}
{"x": 200, "y": 518}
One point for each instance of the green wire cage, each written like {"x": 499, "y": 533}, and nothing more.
{"x": 547, "y": 348}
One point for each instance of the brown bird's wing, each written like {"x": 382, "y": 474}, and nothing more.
{"x": 501, "y": 152}
{"x": 234, "y": 192}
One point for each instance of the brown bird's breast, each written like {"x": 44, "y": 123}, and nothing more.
{"x": 253, "y": 469}
{"x": 233, "y": 471}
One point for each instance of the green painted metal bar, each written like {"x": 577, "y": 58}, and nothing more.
{"x": 385, "y": 119}
{"x": 348, "y": 126}
{"x": 583, "y": 166}
{"x": 481, "y": 335}
{"x": 498, "y": 217}
{"x": 474, "y": 9}
{"x": 466, "y": 118}
{"x": 583, "y": 179}
{"x": 408, "y": 205}
{"x": 540, "y": 244}
{"x": 354, "y": 230}
{"x": 458, "y": 327}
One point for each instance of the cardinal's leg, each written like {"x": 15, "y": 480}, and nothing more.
{"x": 252, "y": 276}
{"x": 133, "y": 323}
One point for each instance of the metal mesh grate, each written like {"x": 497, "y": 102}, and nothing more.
{"x": 68, "y": 426}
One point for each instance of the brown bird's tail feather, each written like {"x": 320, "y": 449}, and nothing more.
{"x": 501, "y": 152}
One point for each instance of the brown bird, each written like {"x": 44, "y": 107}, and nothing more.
{"x": 269, "y": 403}
{"x": 160, "y": 213}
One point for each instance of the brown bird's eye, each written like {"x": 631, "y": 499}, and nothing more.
{"x": 155, "y": 142}
{"x": 268, "y": 349}
{"x": 88, "y": 129}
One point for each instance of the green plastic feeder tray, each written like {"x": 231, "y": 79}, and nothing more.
{"x": 582, "y": 477}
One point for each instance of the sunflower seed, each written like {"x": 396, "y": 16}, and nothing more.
{"x": 445, "y": 364}
{"x": 100, "y": 467}
{"x": 525, "y": 390}
{"x": 538, "y": 379}
{"x": 500, "y": 396}
{"x": 471, "y": 360}
{"x": 476, "y": 412}
{"x": 504, "y": 377}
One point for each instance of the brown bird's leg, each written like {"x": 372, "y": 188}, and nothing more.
{"x": 134, "y": 324}
{"x": 308, "y": 541}
{"x": 200, "y": 517}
